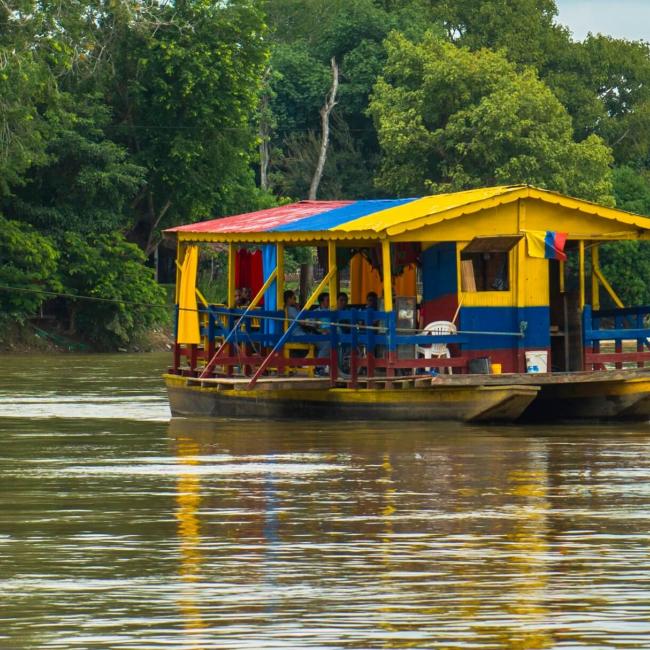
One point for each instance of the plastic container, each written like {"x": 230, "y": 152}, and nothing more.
{"x": 479, "y": 366}
{"x": 536, "y": 361}
{"x": 495, "y": 368}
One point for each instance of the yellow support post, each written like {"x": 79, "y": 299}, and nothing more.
{"x": 232, "y": 252}
{"x": 562, "y": 278}
{"x": 331, "y": 264}
{"x": 595, "y": 287}
{"x": 387, "y": 276}
{"x": 581, "y": 272}
{"x": 280, "y": 275}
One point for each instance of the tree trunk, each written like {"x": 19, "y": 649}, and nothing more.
{"x": 306, "y": 281}
{"x": 265, "y": 153}
{"x": 328, "y": 106}
{"x": 265, "y": 133}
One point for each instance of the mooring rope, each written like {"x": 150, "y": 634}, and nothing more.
{"x": 315, "y": 321}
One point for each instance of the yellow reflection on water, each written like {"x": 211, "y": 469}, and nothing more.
{"x": 529, "y": 549}
{"x": 188, "y": 499}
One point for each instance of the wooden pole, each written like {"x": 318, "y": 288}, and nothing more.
{"x": 388, "y": 278}
{"x": 581, "y": 272}
{"x": 331, "y": 264}
{"x": 595, "y": 286}
{"x": 232, "y": 254}
{"x": 280, "y": 278}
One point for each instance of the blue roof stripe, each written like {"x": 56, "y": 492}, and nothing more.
{"x": 338, "y": 216}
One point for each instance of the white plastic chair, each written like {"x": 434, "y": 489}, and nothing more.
{"x": 437, "y": 350}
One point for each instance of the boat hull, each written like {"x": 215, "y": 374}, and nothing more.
{"x": 431, "y": 403}
{"x": 604, "y": 400}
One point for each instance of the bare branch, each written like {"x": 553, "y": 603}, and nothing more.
{"x": 330, "y": 103}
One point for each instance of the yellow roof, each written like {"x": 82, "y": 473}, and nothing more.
{"x": 431, "y": 210}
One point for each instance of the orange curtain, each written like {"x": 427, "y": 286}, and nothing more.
{"x": 406, "y": 284}
{"x": 363, "y": 278}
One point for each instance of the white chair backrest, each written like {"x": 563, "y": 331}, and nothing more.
{"x": 440, "y": 327}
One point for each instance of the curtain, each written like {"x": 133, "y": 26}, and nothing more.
{"x": 188, "y": 315}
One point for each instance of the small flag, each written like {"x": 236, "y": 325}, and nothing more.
{"x": 546, "y": 244}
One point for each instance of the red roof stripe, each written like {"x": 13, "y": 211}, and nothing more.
{"x": 262, "y": 220}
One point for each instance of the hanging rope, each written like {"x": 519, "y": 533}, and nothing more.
{"x": 216, "y": 311}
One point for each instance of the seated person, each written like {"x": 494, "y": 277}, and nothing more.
{"x": 291, "y": 306}
{"x": 323, "y": 348}
{"x": 345, "y": 348}
{"x": 372, "y": 303}
{"x": 242, "y": 297}
{"x": 323, "y": 301}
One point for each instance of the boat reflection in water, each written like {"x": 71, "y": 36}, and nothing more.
{"x": 188, "y": 498}
{"x": 364, "y": 536}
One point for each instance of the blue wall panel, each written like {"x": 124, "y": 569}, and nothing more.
{"x": 439, "y": 277}
{"x": 506, "y": 319}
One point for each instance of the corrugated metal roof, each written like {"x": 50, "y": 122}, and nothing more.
{"x": 426, "y": 206}
{"x": 262, "y": 220}
{"x": 390, "y": 217}
{"x": 340, "y": 216}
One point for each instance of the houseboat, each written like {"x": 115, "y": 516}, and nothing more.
{"x": 488, "y": 308}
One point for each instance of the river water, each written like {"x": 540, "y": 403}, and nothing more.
{"x": 121, "y": 529}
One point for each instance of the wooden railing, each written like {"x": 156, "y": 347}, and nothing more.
{"x": 616, "y": 336}
{"x": 369, "y": 338}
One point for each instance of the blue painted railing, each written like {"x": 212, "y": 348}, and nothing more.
{"x": 370, "y": 338}
{"x": 631, "y": 324}
{"x": 365, "y": 327}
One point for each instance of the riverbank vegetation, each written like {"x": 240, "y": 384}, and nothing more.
{"x": 119, "y": 118}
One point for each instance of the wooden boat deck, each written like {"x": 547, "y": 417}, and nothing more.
{"x": 541, "y": 379}
{"x": 423, "y": 381}
{"x": 264, "y": 383}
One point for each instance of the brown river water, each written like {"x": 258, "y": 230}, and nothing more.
{"x": 121, "y": 529}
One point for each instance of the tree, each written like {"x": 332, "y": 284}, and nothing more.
{"x": 305, "y": 35}
{"x": 525, "y": 29}
{"x": 28, "y": 260}
{"x": 23, "y": 85}
{"x": 184, "y": 89}
{"x": 112, "y": 270}
{"x": 85, "y": 182}
{"x": 449, "y": 119}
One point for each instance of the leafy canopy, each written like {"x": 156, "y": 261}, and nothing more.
{"x": 448, "y": 119}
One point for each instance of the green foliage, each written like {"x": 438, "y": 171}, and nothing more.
{"x": 130, "y": 116}
{"x": 124, "y": 116}
{"x": 524, "y": 28}
{"x": 27, "y": 260}
{"x": 632, "y": 189}
{"x": 86, "y": 182}
{"x": 184, "y": 89}
{"x": 22, "y": 128}
{"x": 306, "y": 35}
{"x": 110, "y": 268}
{"x": 449, "y": 119}
{"x": 630, "y": 281}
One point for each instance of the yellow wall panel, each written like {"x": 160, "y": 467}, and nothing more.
{"x": 547, "y": 216}
{"x": 535, "y": 276}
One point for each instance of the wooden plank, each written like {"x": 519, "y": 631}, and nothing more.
{"x": 468, "y": 282}
{"x": 519, "y": 379}
{"x": 616, "y": 357}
